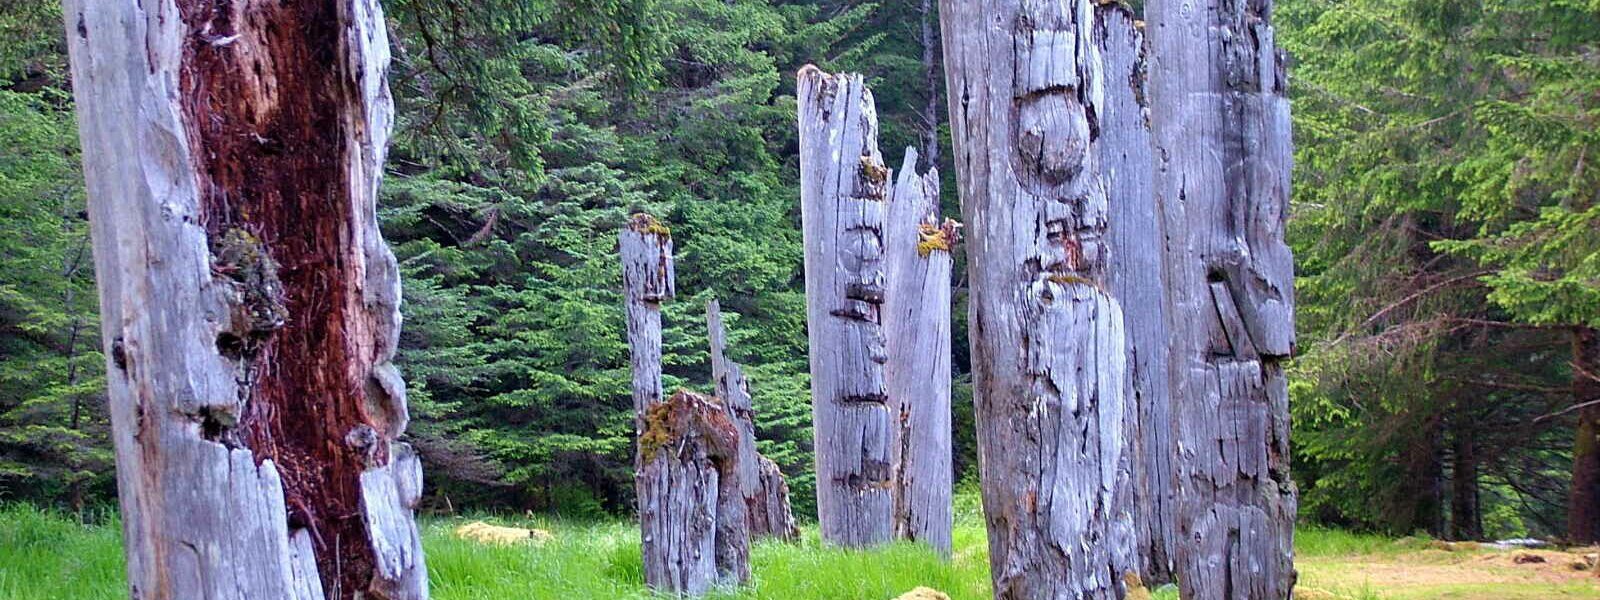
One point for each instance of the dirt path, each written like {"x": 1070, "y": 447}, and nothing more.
{"x": 1439, "y": 573}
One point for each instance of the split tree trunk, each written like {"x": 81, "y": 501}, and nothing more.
{"x": 690, "y": 507}
{"x": 250, "y": 306}
{"x": 916, "y": 321}
{"x": 692, "y": 513}
{"x": 765, "y": 492}
{"x": 1220, "y": 122}
{"x": 843, "y": 190}
{"x": 1583, "y": 508}
{"x": 1137, "y": 240}
{"x": 1049, "y": 349}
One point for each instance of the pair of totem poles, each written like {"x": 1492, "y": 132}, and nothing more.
{"x": 1125, "y": 189}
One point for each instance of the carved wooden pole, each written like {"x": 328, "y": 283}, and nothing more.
{"x": 250, "y": 307}
{"x": 1220, "y": 124}
{"x": 692, "y": 513}
{"x": 843, "y": 189}
{"x": 1137, "y": 238}
{"x": 917, "y": 322}
{"x": 1048, "y": 346}
{"x": 765, "y": 492}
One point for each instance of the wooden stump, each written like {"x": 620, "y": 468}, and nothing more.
{"x": 844, "y": 189}
{"x": 691, "y": 510}
{"x": 250, "y": 306}
{"x": 917, "y": 322}
{"x": 1220, "y": 125}
{"x": 765, "y": 492}
{"x": 1049, "y": 349}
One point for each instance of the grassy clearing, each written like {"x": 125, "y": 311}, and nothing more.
{"x": 47, "y": 556}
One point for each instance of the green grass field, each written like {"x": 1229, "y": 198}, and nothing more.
{"x": 46, "y": 555}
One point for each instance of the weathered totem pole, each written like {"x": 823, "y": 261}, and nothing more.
{"x": 1049, "y": 348}
{"x": 1137, "y": 240}
{"x": 765, "y": 492}
{"x": 692, "y": 513}
{"x": 250, "y": 306}
{"x": 1220, "y": 125}
{"x": 844, "y": 189}
{"x": 916, "y": 320}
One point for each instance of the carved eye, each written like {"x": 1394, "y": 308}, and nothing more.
{"x": 1052, "y": 137}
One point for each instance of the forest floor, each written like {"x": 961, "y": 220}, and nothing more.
{"x": 50, "y": 556}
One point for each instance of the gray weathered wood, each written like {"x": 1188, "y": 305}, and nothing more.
{"x": 1220, "y": 125}
{"x": 1137, "y": 239}
{"x": 765, "y": 492}
{"x": 1049, "y": 349}
{"x": 254, "y": 406}
{"x": 691, "y": 511}
{"x": 843, "y": 191}
{"x": 647, "y": 280}
{"x": 916, "y": 321}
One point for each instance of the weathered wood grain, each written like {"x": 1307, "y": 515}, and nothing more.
{"x": 1220, "y": 124}
{"x": 691, "y": 510}
{"x": 843, "y": 190}
{"x": 1049, "y": 348}
{"x": 916, "y": 321}
{"x": 250, "y": 306}
{"x": 1137, "y": 240}
{"x": 765, "y": 492}
{"x": 692, "y": 513}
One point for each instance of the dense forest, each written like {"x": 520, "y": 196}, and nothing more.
{"x": 1444, "y": 223}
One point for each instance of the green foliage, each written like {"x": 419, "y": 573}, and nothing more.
{"x": 1444, "y": 216}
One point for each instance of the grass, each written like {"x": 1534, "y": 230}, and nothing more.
{"x": 46, "y": 555}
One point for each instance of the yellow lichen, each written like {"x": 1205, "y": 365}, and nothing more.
{"x": 872, "y": 171}
{"x": 942, "y": 237}
{"x": 657, "y": 431}
{"x": 644, "y": 223}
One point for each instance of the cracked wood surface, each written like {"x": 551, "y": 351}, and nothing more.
{"x": 1137, "y": 239}
{"x": 1049, "y": 349}
{"x": 1220, "y": 124}
{"x": 844, "y": 193}
{"x": 250, "y": 305}
{"x": 693, "y": 519}
{"x": 762, "y": 485}
{"x": 917, "y": 326}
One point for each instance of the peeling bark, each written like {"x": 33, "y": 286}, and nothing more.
{"x": 690, "y": 507}
{"x": 1049, "y": 348}
{"x": 766, "y": 494}
{"x": 916, "y": 319}
{"x": 844, "y": 189}
{"x": 250, "y": 306}
{"x": 1220, "y": 122}
{"x": 1137, "y": 240}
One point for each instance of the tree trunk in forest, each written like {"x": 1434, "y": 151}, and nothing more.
{"x": 843, "y": 190}
{"x": 916, "y": 320}
{"x": 690, "y": 508}
{"x": 1049, "y": 348}
{"x": 1583, "y": 507}
{"x": 1137, "y": 239}
{"x": 1220, "y": 124}
{"x": 928, "y": 38}
{"x": 764, "y": 490}
{"x": 1466, "y": 521}
{"x": 250, "y": 307}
